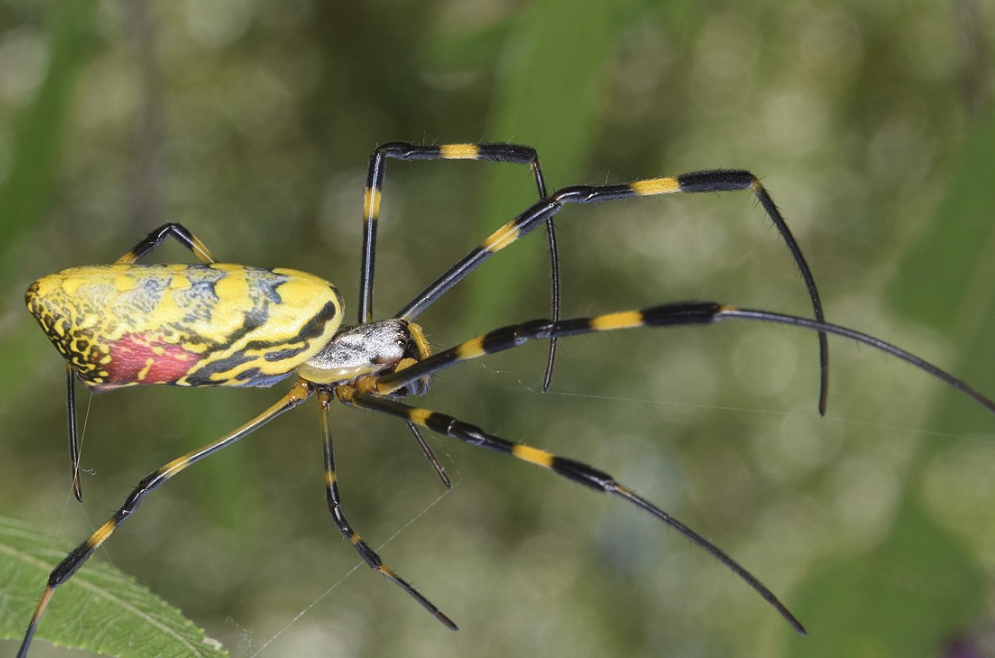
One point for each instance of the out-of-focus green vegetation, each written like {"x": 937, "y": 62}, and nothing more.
{"x": 251, "y": 122}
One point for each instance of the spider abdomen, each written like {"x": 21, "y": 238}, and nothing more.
{"x": 187, "y": 325}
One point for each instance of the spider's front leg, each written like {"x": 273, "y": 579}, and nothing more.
{"x": 716, "y": 180}
{"x": 490, "y": 152}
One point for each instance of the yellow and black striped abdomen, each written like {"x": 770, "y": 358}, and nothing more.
{"x": 188, "y": 325}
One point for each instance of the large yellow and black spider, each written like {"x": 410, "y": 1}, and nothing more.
{"x": 215, "y": 324}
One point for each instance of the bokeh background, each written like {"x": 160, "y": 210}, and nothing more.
{"x": 251, "y": 123}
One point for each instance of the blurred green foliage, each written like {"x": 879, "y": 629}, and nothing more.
{"x": 251, "y": 122}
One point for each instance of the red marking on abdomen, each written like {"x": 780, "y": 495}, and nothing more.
{"x": 130, "y": 356}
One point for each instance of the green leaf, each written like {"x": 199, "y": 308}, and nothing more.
{"x": 99, "y": 609}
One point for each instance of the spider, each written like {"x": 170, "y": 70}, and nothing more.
{"x": 216, "y": 324}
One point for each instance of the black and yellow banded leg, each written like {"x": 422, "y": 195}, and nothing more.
{"x": 492, "y": 152}
{"x": 420, "y": 387}
{"x": 369, "y": 556}
{"x": 665, "y": 315}
{"x": 79, "y": 555}
{"x": 568, "y": 468}
{"x": 511, "y": 336}
{"x": 718, "y": 180}
{"x": 172, "y": 230}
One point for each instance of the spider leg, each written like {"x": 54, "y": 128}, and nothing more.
{"x": 701, "y": 181}
{"x": 568, "y": 468}
{"x": 159, "y": 235}
{"x": 781, "y": 318}
{"x": 424, "y": 351}
{"x": 493, "y": 152}
{"x": 427, "y": 451}
{"x": 79, "y": 555}
{"x": 143, "y": 248}
{"x": 73, "y": 430}
{"x": 370, "y": 556}
{"x": 666, "y": 315}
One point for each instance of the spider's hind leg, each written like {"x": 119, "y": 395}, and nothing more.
{"x": 172, "y": 230}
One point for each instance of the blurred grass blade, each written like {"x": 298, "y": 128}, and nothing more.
{"x": 948, "y": 280}
{"x": 99, "y": 609}
{"x": 28, "y": 189}
{"x": 548, "y": 98}
{"x": 951, "y": 269}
